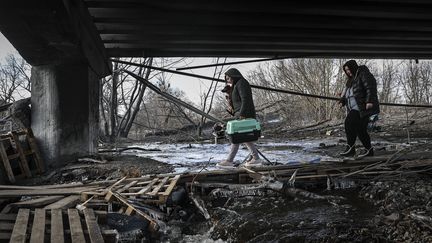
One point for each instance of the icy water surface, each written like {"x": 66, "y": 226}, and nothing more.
{"x": 265, "y": 217}
{"x": 193, "y": 156}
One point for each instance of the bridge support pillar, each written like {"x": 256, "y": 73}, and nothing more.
{"x": 65, "y": 106}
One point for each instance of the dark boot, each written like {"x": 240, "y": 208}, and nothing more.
{"x": 367, "y": 152}
{"x": 349, "y": 151}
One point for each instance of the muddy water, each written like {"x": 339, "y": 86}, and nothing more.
{"x": 271, "y": 217}
{"x": 274, "y": 218}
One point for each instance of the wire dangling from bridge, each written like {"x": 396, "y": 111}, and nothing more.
{"x": 262, "y": 87}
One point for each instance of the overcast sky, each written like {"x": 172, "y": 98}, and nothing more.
{"x": 193, "y": 87}
{"x": 5, "y": 47}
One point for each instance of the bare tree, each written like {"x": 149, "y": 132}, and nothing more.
{"x": 312, "y": 76}
{"x": 135, "y": 99}
{"x": 208, "y": 97}
{"x": 124, "y": 97}
{"x": 415, "y": 81}
{"x": 14, "y": 79}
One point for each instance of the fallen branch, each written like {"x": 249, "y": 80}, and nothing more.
{"x": 89, "y": 160}
{"x": 199, "y": 203}
{"x": 126, "y": 149}
{"x": 425, "y": 220}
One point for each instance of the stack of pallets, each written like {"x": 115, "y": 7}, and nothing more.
{"x": 25, "y": 156}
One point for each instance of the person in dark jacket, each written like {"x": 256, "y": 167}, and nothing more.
{"x": 242, "y": 106}
{"x": 361, "y": 100}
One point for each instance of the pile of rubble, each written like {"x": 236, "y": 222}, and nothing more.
{"x": 404, "y": 208}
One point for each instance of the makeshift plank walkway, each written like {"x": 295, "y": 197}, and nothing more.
{"x": 365, "y": 168}
{"x": 54, "y": 226}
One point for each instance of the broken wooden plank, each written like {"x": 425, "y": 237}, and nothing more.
{"x": 6, "y": 209}
{"x": 158, "y": 187}
{"x": 199, "y": 203}
{"x": 171, "y": 186}
{"x": 35, "y": 150}
{"x": 64, "y": 186}
{"x": 82, "y": 206}
{"x": 38, "y": 229}
{"x": 164, "y": 194}
{"x": 109, "y": 236}
{"x": 57, "y": 231}
{"x": 37, "y": 202}
{"x": 109, "y": 182}
{"x": 131, "y": 184}
{"x": 6, "y": 163}
{"x": 115, "y": 184}
{"x": 20, "y": 227}
{"x": 23, "y": 160}
{"x": 129, "y": 210}
{"x": 143, "y": 190}
{"x": 77, "y": 233}
{"x": 152, "y": 225}
{"x": 65, "y": 203}
{"x": 14, "y": 156}
{"x": 48, "y": 192}
{"x": 108, "y": 196}
{"x": 94, "y": 231}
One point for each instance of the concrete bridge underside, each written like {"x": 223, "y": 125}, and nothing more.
{"x": 68, "y": 43}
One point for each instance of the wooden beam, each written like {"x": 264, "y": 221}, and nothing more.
{"x": 77, "y": 233}
{"x": 23, "y": 161}
{"x": 155, "y": 190}
{"x": 19, "y": 233}
{"x": 37, "y": 202}
{"x": 35, "y": 150}
{"x": 92, "y": 226}
{"x": 6, "y": 163}
{"x": 65, "y": 203}
{"x": 38, "y": 229}
{"x": 48, "y": 192}
{"x": 57, "y": 231}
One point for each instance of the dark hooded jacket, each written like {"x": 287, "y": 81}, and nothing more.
{"x": 364, "y": 88}
{"x": 241, "y": 95}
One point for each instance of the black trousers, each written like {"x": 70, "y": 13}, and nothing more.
{"x": 355, "y": 126}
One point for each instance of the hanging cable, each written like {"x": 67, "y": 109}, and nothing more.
{"x": 232, "y": 63}
{"x": 261, "y": 87}
{"x": 170, "y": 97}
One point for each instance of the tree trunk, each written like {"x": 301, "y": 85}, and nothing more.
{"x": 136, "y": 106}
{"x": 114, "y": 101}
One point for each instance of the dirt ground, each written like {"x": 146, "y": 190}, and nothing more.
{"x": 109, "y": 167}
{"x": 386, "y": 209}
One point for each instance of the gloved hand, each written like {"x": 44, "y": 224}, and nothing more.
{"x": 218, "y": 127}
{"x": 342, "y": 101}
{"x": 219, "y": 130}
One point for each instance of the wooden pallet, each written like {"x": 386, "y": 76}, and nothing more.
{"x": 155, "y": 191}
{"x": 19, "y": 155}
{"x": 55, "y": 226}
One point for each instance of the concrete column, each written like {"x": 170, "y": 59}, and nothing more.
{"x": 65, "y": 111}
